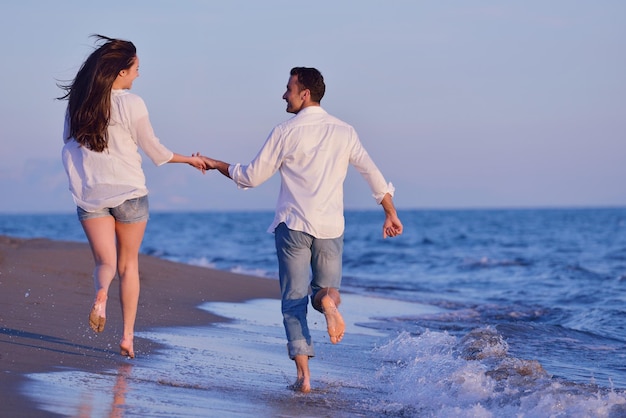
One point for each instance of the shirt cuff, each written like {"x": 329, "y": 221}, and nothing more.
{"x": 234, "y": 170}
{"x": 379, "y": 196}
{"x": 231, "y": 170}
{"x": 164, "y": 161}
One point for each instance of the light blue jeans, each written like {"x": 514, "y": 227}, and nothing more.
{"x": 304, "y": 262}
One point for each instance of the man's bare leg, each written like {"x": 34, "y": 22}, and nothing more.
{"x": 303, "y": 384}
{"x": 326, "y": 301}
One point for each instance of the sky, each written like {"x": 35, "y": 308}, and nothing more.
{"x": 461, "y": 104}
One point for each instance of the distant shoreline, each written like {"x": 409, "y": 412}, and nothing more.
{"x": 373, "y": 208}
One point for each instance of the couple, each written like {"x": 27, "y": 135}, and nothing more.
{"x": 312, "y": 151}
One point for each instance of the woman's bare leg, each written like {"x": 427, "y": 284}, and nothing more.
{"x": 129, "y": 238}
{"x": 100, "y": 233}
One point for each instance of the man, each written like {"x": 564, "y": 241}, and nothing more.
{"x": 312, "y": 151}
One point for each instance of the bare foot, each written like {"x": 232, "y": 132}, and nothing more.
{"x": 97, "y": 316}
{"x": 334, "y": 320}
{"x": 302, "y": 385}
{"x": 126, "y": 347}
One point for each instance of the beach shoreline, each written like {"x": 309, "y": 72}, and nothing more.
{"x": 46, "y": 293}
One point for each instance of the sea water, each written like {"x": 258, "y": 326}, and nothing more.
{"x": 469, "y": 313}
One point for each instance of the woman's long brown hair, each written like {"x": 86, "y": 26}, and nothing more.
{"x": 89, "y": 94}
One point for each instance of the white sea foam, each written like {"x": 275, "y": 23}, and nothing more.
{"x": 434, "y": 374}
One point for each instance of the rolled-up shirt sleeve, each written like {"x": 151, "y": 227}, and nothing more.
{"x": 234, "y": 170}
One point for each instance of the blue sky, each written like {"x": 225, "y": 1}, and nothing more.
{"x": 462, "y": 104}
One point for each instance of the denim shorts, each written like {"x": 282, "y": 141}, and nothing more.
{"x": 131, "y": 211}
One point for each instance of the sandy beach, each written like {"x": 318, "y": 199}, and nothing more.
{"x": 46, "y": 293}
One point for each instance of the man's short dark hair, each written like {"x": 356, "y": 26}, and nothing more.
{"x": 311, "y": 79}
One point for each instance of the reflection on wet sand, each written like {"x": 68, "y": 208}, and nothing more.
{"x": 118, "y": 402}
{"x": 119, "y": 390}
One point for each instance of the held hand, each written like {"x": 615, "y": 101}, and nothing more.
{"x": 196, "y": 161}
{"x": 208, "y": 163}
{"x": 211, "y": 164}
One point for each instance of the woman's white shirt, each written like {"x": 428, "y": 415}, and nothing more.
{"x": 106, "y": 179}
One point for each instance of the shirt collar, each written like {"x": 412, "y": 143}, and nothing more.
{"x": 311, "y": 109}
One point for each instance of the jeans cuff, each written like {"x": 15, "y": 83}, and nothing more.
{"x": 300, "y": 347}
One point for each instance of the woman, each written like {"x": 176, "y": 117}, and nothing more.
{"x": 104, "y": 127}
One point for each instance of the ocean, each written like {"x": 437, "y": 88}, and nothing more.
{"x": 470, "y": 313}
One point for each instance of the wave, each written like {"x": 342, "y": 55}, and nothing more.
{"x": 438, "y": 374}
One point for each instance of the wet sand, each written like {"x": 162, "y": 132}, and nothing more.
{"x": 46, "y": 292}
